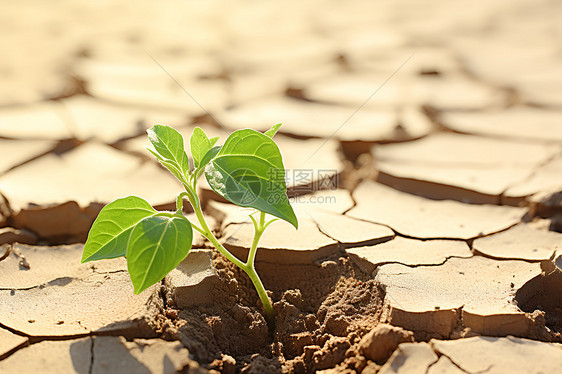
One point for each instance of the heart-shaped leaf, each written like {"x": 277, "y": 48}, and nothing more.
{"x": 168, "y": 143}
{"x": 110, "y": 232}
{"x": 156, "y": 246}
{"x": 248, "y": 171}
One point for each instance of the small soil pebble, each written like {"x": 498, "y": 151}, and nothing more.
{"x": 381, "y": 341}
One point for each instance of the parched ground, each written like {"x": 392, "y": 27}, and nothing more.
{"x": 423, "y": 147}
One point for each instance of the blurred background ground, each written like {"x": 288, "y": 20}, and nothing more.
{"x": 82, "y": 81}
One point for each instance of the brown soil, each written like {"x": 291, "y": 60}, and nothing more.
{"x": 542, "y": 293}
{"x": 322, "y": 312}
{"x": 440, "y": 133}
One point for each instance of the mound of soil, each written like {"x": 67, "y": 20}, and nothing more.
{"x": 322, "y": 313}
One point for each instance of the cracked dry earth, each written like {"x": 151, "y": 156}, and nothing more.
{"x": 430, "y": 219}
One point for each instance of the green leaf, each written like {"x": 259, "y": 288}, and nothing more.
{"x": 171, "y": 166}
{"x": 248, "y": 171}
{"x": 200, "y": 144}
{"x": 156, "y": 246}
{"x": 206, "y": 159}
{"x": 211, "y": 153}
{"x": 272, "y": 131}
{"x": 213, "y": 140}
{"x": 110, "y": 232}
{"x": 168, "y": 143}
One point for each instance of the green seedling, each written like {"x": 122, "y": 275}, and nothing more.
{"x": 247, "y": 170}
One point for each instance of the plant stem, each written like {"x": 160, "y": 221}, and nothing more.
{"x": 267, "y": 307}
{"x": 248, "y": 267}
{"x": 258, "y": 231}
{"x": 179, "y": 209}
{"x": 209, "y": 235}
{"x": 251, "y": 271}
{"x": 179, "y": 201}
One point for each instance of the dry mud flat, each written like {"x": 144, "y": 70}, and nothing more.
{"x": 350, "y": 295}
{"x": 374, "y": 308}
{"x": 429, "y": 215}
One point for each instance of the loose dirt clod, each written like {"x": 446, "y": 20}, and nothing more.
{"x": 380, "y": 342}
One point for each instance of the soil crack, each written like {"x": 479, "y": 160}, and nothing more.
{"x": 323, "y": 231}
{"x": 60, "y": 281}
{"x": 420, "y": 265}
{"x": 7, "y": 250}
{"x": 108, "y": 272}
{"x": 530, "y": 175}
{"x": 13, "y": 331}
{"x": 399, "y": 234}
{"x": 458, "y": 366}
{"x": 433, "y": 363}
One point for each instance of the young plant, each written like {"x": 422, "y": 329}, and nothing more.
{"x": 247, "y": 170}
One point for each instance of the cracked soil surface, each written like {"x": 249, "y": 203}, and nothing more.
{"x": 423, "y": 152}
